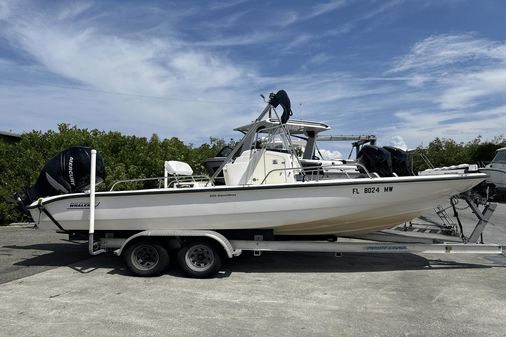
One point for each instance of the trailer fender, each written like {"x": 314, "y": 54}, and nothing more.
{"x": 219, "y": 238}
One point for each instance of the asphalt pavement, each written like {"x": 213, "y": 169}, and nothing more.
{"x": 50, "y": 287}
{"x": 26, "y": 251}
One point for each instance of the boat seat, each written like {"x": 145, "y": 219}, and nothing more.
{"x": 178, "y": 168}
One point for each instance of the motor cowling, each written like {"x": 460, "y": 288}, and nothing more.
{"x": 67, "y": 172}
{"x": 375, "y": 159}
{"x": 401, "y": 164}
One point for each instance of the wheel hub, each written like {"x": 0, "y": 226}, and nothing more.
{"x": 145, "y": 257}
{"x": 200, "y": 257}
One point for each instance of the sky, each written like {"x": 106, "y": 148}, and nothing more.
{"x": 407, "y": 71}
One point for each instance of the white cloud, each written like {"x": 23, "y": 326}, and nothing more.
{"x": 464, "y": 90}
{"x": 299, "y": 41}
{"x": 227, "y": 21}
{"x": 464, "y": 77}
{"x": 326, "y": 7}
{"x": 416, "y": 126}
{"x": 137, "y": 84}
{"x": 320, "y": 58}
{"x": 219, "y": 5}
{"x": 384, "y": 7}
{"x": 437, "y": 52}
{"x": 199, "y": 86}
{"x": 287, "y": 18}
{"x": 73, "y": 10}
{"x": 398, "y": 142}
{"x": 4, "y": 10}
{"x": 236, "y": 40}
{"x": 291, "y": 17}
{"x": 331, "y": 154}
{"x": 116, "y": 63}
{"x": 380, "y": 13}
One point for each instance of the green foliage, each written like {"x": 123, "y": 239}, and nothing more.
{"x": 125, "y": 157}
{"x": 447, "y": 152}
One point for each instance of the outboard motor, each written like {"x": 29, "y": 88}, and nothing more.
{"x": 67, "y": 172}
{"x": 375, "y": 159}
{"x": 401, "y": 164}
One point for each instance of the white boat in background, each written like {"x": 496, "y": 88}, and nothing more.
{"x": 496, "y": 171}
{"x": 453, "y": 169}
{"x": 495, "y": 186}
{"x": 266, "y": 188}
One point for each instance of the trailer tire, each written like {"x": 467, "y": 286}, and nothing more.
{"x": 145, "y": 258}
{"x": 200, "y": 259}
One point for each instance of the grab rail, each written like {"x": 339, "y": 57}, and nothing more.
{"x": 117, "y": 182}
{"x": 317, "y": 168}
{"x": 180, "y": 179}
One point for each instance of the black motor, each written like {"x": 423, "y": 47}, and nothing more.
{"x": 67, "y": 172}
{"x": 401, "y": 164}
{"x": 375, "y": 159}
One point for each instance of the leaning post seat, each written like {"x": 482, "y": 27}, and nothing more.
{"x": 182, "y": 175}
{"x": 178, "y": 168}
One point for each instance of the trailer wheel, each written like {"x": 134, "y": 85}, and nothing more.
{"x": 199, "y": 259}
{"x": 145, "y": 258}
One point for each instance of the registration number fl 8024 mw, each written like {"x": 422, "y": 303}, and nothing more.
{"x": 374, "y": 189}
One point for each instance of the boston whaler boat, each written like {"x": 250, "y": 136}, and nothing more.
{"x": 268, "y": 201}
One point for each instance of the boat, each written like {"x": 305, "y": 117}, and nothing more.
{"x": 266, "y": 189}
{"x": 496, "y": 171}
{"x": 493, "y": 188}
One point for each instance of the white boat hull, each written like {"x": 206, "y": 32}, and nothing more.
{"x": 497, "y": 176}
{"x": 496, "y": 171}
{"x": 341, "y": 207}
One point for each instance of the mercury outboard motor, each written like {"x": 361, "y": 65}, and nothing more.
{"x": 67, "y": 172}
{"x": 375, "y": 159}
{"x": 400, "y": 161}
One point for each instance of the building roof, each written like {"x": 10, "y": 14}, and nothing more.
{"x": 10, "y": 136}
